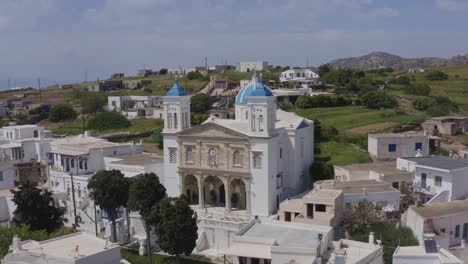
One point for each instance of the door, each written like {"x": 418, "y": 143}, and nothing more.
{"x": 222, "y": 194}
{"x": 465, "y": 231}
{"x": 423, "y": 180}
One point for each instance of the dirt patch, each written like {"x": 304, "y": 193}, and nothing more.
{"x": 152, "y": 148}
{"x": 373, "y": 128}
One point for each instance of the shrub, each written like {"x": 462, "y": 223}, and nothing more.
{"x": 163, "y": 71}
{"x": 419, "y": 89}
{"x": 320, "y": 170}
{"x": 436, "y": 76}
{"x": 402, "y": 80}
{"x": 195, "y": 76}
{"x": 201, "y": 103}
{"x": 62, "y": 112}
{"x": 378, "y": 99}
{"x": 305, "y": 101}
{"x": 108, "y": 120}
{"x": 423, "y": 103}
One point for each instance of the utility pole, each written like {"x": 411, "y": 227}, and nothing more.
{"x": 86, "y": 75}
{"x": 39, "y": 86}
{"x": 206, "y": 64}
{"x": 73, "y": 197}
{"x": 9, "y": 84}
{"x": 307, "y": 64}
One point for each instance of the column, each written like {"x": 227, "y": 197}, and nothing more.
{"x": 201, "y": 195}
{"x": 247, "y": 196}
{"x": 227, "y": 191}
{"x": 181, "y": 184}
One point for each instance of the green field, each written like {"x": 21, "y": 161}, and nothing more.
{"x": 342, "y": 153}
{"x": 348, "y": 117}
{"x": 76, "y": 127}
{"x": 133, "y": 257}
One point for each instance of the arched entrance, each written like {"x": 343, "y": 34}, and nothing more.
{"x": 191, "y": 189}
{"x": 238, "y": 195}
{"x": 214, "y": 191}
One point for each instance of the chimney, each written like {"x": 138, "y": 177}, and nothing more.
{"x": 463, "y": 243}
{"x": 451, "y": 154}
{"x": 16, "y": 246}
{"x": 418, "y": 153}
{"x": 87, "y": 133}
{"x": 371, "y": 238}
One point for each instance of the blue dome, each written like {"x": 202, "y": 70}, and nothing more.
{"x": 176, "y": 90}
{"x": 254, "y": 88}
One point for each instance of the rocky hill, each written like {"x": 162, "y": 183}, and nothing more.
{"x": 382, "y": 59}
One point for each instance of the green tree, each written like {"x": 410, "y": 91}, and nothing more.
{"x": 436, "y": 76}
{"x": 36, "y": 208}
{"x": 403, "y": 80}
{"x": 323, "y": 69}
{"x": 378, "y": 99}
{"x": 195, "y": 75}
{"x": 62, "y": 112}
{"x": 145, "y": 194}
{"x": 108, "y": 120}
{"x": 423, "y": 103}
{"x": 163, "y": 71}
{"x": 109, "y": 190}
{"x": 177, "y": 227}
{"x": 359, "y": 217}
{"x": 303, "y": 102}
{"x": 201, "y": 103}
{"x": 419, "y": 89}
{"x": 23, "y": 231}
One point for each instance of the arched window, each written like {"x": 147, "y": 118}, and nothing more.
{"x": 253, "y": 122}
{"x": 260, "y": 123}
{"x": 237, "y": 158}
{"x": 246, "y": 115}
{"x": 175, "y": 120}
{"x": 169, "y": 120}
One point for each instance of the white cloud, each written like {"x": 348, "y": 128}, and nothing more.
{"x": 452, "y": 5}
{"x": 17, "y": 14}
{"x": 386, "y": 12}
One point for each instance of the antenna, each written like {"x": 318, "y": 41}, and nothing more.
{"x": 9, "y": 84}
{"x": 307, "y": 65}
{"x": 39, "y": 86}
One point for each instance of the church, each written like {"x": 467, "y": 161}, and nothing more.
{"x": 236, "y": 168}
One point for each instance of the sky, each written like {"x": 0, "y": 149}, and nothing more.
{"x": 61, "y": 40}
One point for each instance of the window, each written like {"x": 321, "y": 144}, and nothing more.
{"x": 212, "y": 156}
{"x": 175, "y": 120}
{"x": 72, "y": 163}
{"x": 310, "y": 210}
{"x": 287, "y": 216}
{"x": 257, "y": 160}
{"x": 457, "y": 231}
{"x": 391, "y": 147}
{"x": 172, "y": 155}
{"x": 438, "y": 181}
{"x": 237, "y": 158}
{"x": 320, "y": 208}
{"x": 36, "y": 133}
{"x": 279, "y": 180}
{"x": 81, "y": 164}
{"x": 188, "y": 154}
{"x": 423, "y": 180}
{"x": 281, "y": 153}
{"x": 418, "y": 146}
{"x": 396, "y": 185}
{"x": 1, "y": 176}
{"x": 86, "y": 165}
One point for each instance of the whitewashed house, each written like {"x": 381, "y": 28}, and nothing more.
{"x": 278, "y": 242}
{"x": 252, "y": 66}
{"x": 389, "y": 146}
{"x": 305, "y": 78}
{"x": 136, "y": 106}
{"x": 446, "y": 222}
{"x": 427, "y": 253}
{"x": 73, "y": 161}
{"x": 77, "y": 248}
{"x": 438, "y": 178}
{"x": 232, "y": 170}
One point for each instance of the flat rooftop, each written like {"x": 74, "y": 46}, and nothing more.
{"x": 439, "y": 118}
{"x": 139, "y": 159}
{"x": 435, "y": 210}
{"x": 396, "y": 135}
{"x": 442, "y": 162}
{"x": 64, "y": 247}
{"x": 360, "y": 186}
{"x": 287, "y": 234}
{"x": 22, "y": 126}
{"x": 380, "y": 167}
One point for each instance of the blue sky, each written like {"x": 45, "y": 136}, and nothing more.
{"x": 58, "y": 40}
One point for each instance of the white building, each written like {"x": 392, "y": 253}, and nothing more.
{"x": 380, "y": 171}
{"x": 428, "y": 253}
{"x": 291, "y": 95}
{"x": 279, "y": 242}
{"x": 81, "y": 157}
{"x": 389, "y": 146}
{"x": 136, "y": 106}
{"x": 439, "y": 178}
{"x": 245, "y": 166}
{"x": 447, "y": 222}
{"x": 77, "y": 248}
{"x": 301, "y": 77}
{"x": 252, "y": 66}
{"x": 382, "y": 194}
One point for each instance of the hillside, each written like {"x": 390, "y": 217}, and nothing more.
{"x": 382, "y": 59}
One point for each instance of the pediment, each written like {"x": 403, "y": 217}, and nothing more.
{"x": 211, "y": 130}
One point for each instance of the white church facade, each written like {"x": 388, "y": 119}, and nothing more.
{"x": 233, "y": 170}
